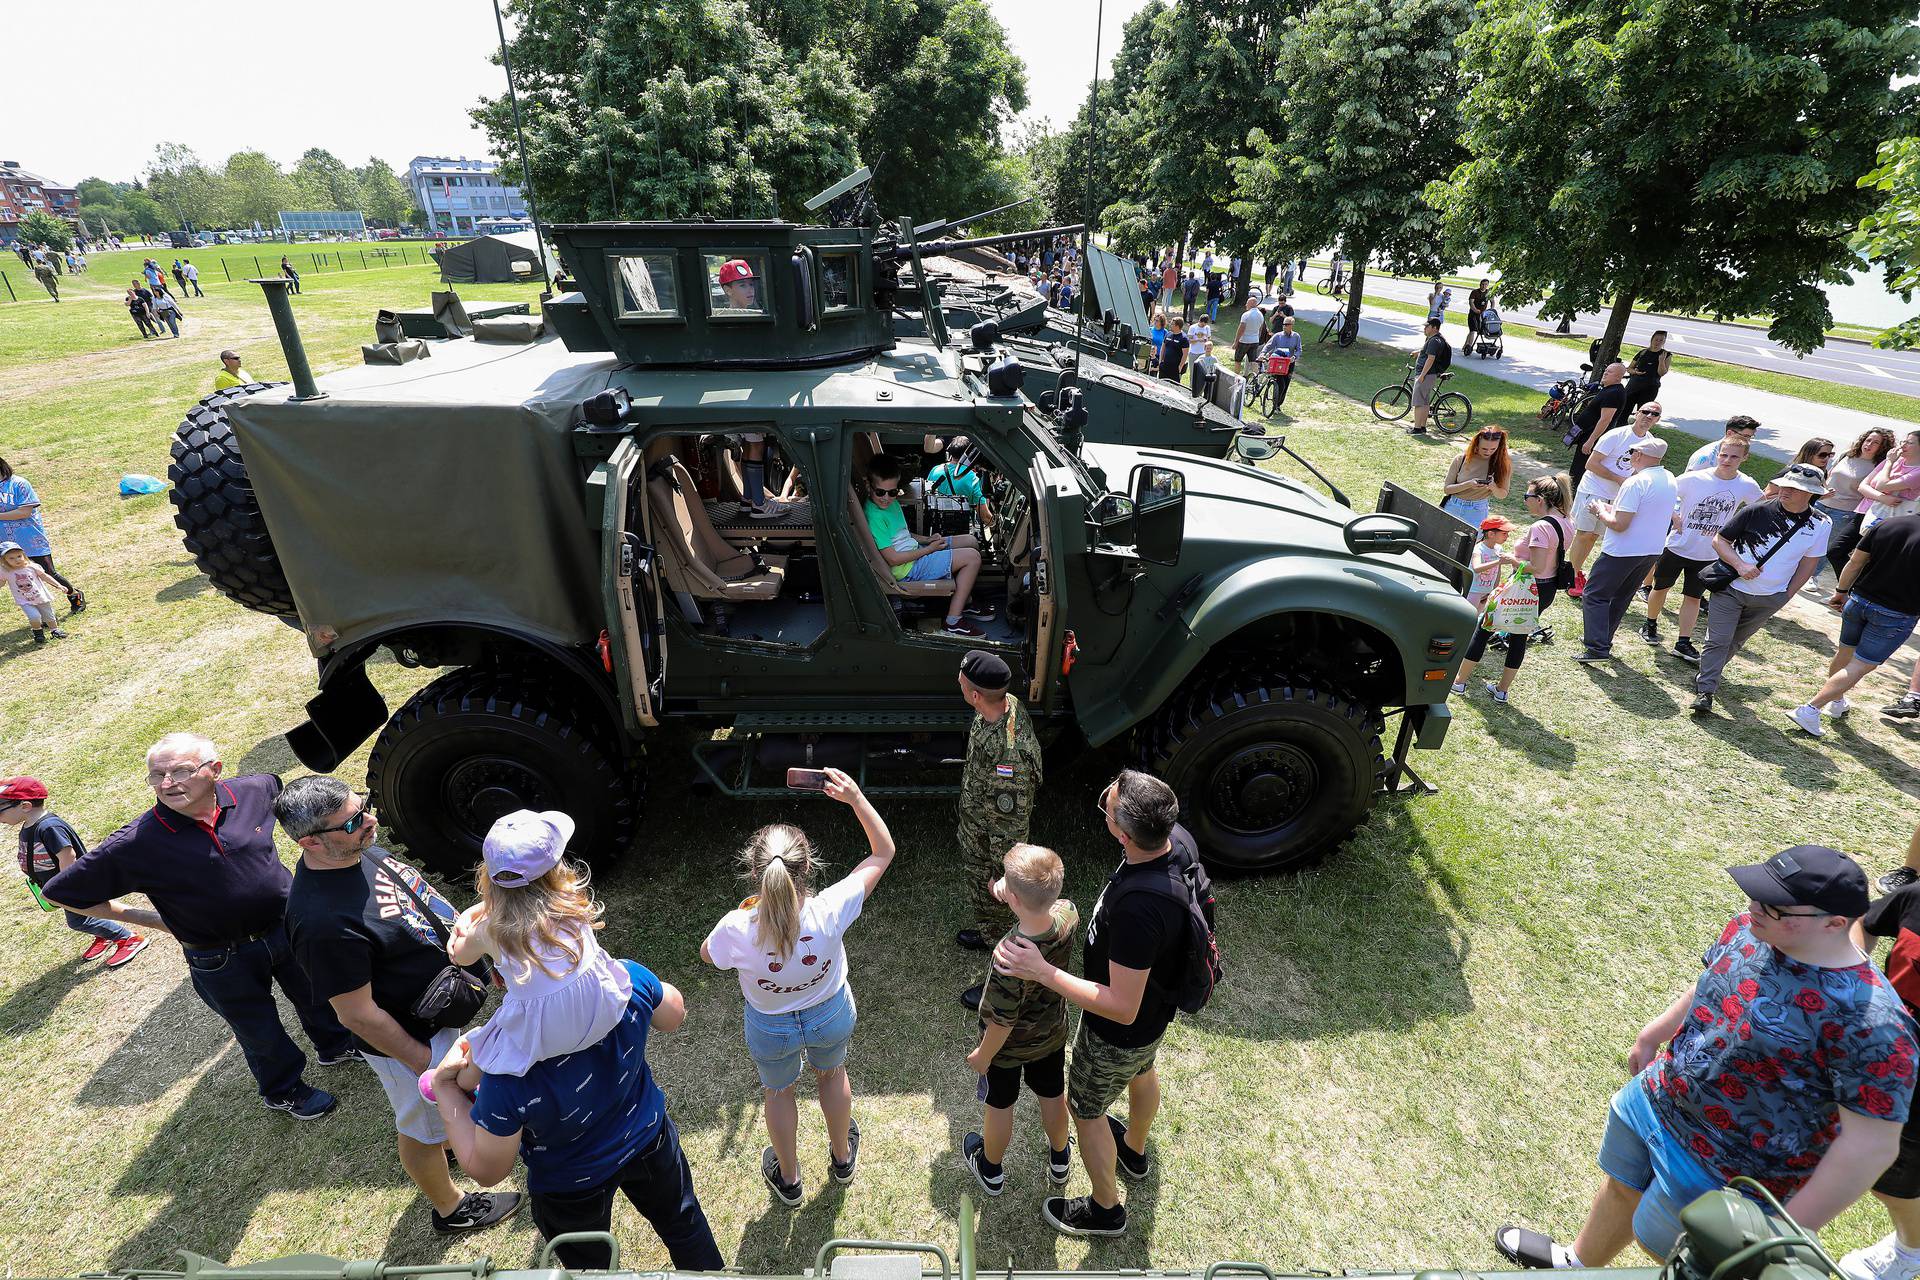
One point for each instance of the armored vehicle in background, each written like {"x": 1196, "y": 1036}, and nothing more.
{"x": 562, "y": 529}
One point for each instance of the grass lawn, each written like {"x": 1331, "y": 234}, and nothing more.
{"x": 1416, "y": 1041}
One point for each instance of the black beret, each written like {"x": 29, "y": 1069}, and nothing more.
{"x": 985, "y": 671}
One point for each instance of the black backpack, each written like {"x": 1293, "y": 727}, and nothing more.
{"x": 1188, "y": 884}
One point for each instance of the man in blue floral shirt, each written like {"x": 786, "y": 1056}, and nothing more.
{"x": 1790, "y": 1061}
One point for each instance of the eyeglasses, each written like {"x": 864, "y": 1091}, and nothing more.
{"x": 1648, "y": 413}
{"x": 1100, "y": 805}
{"x": 157, "y": 778}
{"x": 878, "y": 492}
{"x": 359, "y": 819}
{"x": 1777, "y": 914}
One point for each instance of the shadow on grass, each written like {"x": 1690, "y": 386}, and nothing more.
{"x": 1509, "y": 724}
{"x": 176, "y": 1038}
{"x": 185, "y": 589}
{"x": 776, "y": 1239}
{"x": 31, "y": 1005}
{"x": 1629, "y": 690}
{"x": 269, "y": 755}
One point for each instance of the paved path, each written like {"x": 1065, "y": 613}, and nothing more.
{"x": 1692, "y": 404}
{"x": 1851, "y": 364}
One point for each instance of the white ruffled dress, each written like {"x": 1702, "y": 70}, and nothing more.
{"x": 544, "y": 1017}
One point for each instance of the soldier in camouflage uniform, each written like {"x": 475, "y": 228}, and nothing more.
{"x": 997, "y": 787}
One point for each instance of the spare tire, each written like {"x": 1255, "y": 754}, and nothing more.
{"x": 219, "y": 520}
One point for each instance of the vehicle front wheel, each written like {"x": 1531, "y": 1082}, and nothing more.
{"x": 1272, "y": 772}
{"x": 1390, "y": 404}
{"x": 475, "y": 745}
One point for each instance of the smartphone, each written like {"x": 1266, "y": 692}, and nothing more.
{"x": 806, "y": 779}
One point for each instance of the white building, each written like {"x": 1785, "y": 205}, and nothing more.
{"x": 456, "y": 193}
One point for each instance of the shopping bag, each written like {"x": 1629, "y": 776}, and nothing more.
{"x": 1514, "y": 605}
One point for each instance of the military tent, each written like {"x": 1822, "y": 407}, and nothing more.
{"x": 491, "y": 259}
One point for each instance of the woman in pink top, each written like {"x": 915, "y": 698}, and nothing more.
{"x": 1545, "y": 548}
{"x": 1889, "y": 489}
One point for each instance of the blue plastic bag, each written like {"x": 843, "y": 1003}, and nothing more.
{"x": 134, "y": 484}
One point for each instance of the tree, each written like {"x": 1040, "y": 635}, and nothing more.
{"x": 1890, "y": 235}
{"x": 1689, "y": 155}
{"x": 42, "y": 228}
{"x": 1369, "y": 122}
{"x": 691, "y": 111}
{"x": 257, "y": 191}
{"x": 385, "y": 198}
{"x": 143, "y": 213}
{"x": 186, "y": 188}
{"x": 322, "y": 182}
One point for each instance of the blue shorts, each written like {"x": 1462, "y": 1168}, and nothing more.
{"x": 931, "y": 567}
{"x": 1637, "y": 1150}
{"x": 820, "y": 1033}
{"x": 1873, "y": 632}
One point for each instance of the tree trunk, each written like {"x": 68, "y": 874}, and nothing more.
{"x": 1616, "y": 329}
{"x": 1356, "y": 290}
{"x": 1242, "y": 278}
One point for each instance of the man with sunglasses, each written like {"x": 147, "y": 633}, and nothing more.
{"x": 1790, "y": 1061}
{"x": 357, "y": 920}
{"x": 204, "y": 857}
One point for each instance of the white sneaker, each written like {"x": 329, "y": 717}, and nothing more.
{"x": 1881, "y": 1260}
{"x": 1808, "y": 719}
{"x": 1838, "y": 707}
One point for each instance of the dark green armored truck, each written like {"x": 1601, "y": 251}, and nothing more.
{"x": 561, "y": 527}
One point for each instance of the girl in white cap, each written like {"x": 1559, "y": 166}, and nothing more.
{"x": 535, "y": 920}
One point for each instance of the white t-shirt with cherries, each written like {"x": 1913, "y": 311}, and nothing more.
{"x": 817, "y": 968}
{"x": 1706, "y": 503}
{"x": 1611, "y": 450}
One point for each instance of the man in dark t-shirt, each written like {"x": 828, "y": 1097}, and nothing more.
{"x": 1133, "y": 960}
{"x": 1878, "y": 597}
{"x": 1595, "y": 416}
{"x": 1435, "y": 358}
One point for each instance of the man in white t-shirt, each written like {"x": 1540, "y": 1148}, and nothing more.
{"x": 1246, "y": 340}
{"x": 1636, "y": 523}
{"x": 1707, "y": 500}
{"x": 1739, "y": 427}
{"x": 1607, "y": 469}
{"x": 1790, "y": 534}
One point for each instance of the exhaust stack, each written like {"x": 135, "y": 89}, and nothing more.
{"x": 277, "y": 289}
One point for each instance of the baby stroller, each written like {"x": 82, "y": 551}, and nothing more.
{"x": 1488, "y": 342}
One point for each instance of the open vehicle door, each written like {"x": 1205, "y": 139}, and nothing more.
{"x": 630, "y": 585}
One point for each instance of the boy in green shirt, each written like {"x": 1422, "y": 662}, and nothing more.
{"x": 916, "y": 559}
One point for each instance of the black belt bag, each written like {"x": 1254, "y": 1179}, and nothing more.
{"x": 455, "y": 994}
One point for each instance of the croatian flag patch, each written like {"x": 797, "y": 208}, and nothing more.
{"x": 1004, "y": 770}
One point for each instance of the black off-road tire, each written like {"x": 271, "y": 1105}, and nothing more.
{"x": 214, "y": 507}
{"x": 476, "y": 744}
{"x": 1272, "y": 771}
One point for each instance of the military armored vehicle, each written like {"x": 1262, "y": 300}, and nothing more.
{"x": 560, "y": 527}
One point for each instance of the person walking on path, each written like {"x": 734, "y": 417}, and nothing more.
{"x": 1740, "y": 1077}
{"x": 231, "y": 374}
{"x": 787, "y": 945}
{"x": 204, "y": 856}
{"x": 20, "y": 521}
{"x": 1637, "y": 522}
{"x": 48, "y": 280}
{"x": 1649, "y": 365}
{"x": 1842, "y": 503}
{"x": 998, "y": 783}
{"x": 1545, "y": 550}
{"x": 1134, "y": 956}
{"x": 48, "y": 846}
{"x": 1705, "y": 501}
{"x": 166, "y": 311}
{"x": 1435, "y": 358}
{"x": 1477, "y": 303}
{"x": 368, "y": 930}
{"x": 1879, "y": 602}
{"x": 1774, "y": 548}
{"x": 193, "y": 279}
{"x": 1477, "y": 475}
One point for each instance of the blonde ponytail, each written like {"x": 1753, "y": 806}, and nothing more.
{"x": 779, "y": 859}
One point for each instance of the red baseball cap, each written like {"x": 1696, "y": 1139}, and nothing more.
{"x": 23, "y": 788}
{"x": 735, "y": 269}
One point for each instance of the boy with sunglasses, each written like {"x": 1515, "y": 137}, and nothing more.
{"x": 1790, "y": 1061}
{"x": 48, "y": 845}
{"x": 913, "y": 558}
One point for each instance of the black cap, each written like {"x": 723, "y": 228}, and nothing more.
{"x": 984, "y": 670}
{"x": 1807, "y": 875}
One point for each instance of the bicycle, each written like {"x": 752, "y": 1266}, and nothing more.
{"x": 1336, "y": 327}
{"x": 1263, "y": 390}
{"x": 1451, "y": 412}
{"x": 1335, "y": 284}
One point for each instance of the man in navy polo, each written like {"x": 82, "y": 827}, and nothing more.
{"x": 204, "y": 857}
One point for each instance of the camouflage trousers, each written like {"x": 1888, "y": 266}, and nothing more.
{"x": 1101, "y": 1071}
{"x": 982, "y": 853}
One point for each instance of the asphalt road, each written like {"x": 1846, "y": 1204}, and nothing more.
{"x": 1848, "y": 363}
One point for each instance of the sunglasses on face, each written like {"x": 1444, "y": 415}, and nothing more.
{"x": 1649, "y": 413}
{"x": 878, "y": 492}
{"x": 359, "y": 819}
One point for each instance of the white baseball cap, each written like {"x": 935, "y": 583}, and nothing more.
{"x": 524, "y": 845}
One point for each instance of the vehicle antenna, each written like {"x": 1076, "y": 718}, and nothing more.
{"x": 1086, "y": 232}
{"x": 526, "y": 173}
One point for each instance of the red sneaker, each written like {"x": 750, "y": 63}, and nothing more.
{"x": 98, "y": 949}
{"x": 126, "y": 951}
{"x": 1579, "y": 587}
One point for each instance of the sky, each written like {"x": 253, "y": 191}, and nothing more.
{"x": 368, "y": 79}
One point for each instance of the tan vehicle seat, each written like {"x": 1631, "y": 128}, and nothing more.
{"x": 895, "y": 586}
{"x": 694, "y": 558}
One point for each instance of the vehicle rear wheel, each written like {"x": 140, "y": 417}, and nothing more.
{"x": 1390, "y": 404}
{"x": 214, "y": 508}
{"x": 1272, "y": 771}
{"x": 1452, "y": 413}
{"x": 475, "y": 745}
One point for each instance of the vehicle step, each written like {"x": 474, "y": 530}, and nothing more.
{"x": 851, "y": 721}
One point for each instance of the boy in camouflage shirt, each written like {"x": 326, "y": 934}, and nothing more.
{"x": 1023, "y": 1025}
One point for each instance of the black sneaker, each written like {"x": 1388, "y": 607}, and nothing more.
{"x": 39, "y": 637}
{"x": 477, "y": 1209}
{"x": 843, "y": 1173}
{"x": 1412, "y": 431}
{"x": 1898, "y": 878}
{"x": 973, "y": 940}
{"x": 1907, "y": 708}
{"x": 1683, "y": 649}
{"x": 1060, "y": 1164}
{"x": 1542, "y": 636}
{"x": 1135, "y": 1167}
{"x": 338, "y": 1058}
{"x": 973, "y": 1150}
{"x": 1645, "y": 592}
{"x": 77, "y": 602}
{"x": 311, "y": 1105}
{"x": 1650, "y": 631}
{"x": 787, "y": 1193}
{"x": 971, "y": 996}
{"x": 1703, "y": 705}
{"x": 1080, "y": 1216}
{"x": 1590, "y": 656}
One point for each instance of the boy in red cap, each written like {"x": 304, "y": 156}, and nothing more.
{"x": 49, "y": 845}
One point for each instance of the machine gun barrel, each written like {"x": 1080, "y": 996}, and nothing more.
{"x": 933, "y": 248}
{"x": 941, "y": 226}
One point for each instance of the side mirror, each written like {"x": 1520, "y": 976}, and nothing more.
{"x": 1380, "y": 532}
{"x": 1159, "y": 513}
{"x": 1255, "y": 448}
{"x": 803, "y": 290}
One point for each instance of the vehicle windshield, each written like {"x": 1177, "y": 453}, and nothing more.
{"x": 1061, "y": 456}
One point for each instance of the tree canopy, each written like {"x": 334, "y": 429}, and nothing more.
{"x": 42, "y": 228}
{"x": 1890, "y": 235}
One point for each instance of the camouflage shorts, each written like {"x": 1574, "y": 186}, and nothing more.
{"x": 1101, "y": 1071}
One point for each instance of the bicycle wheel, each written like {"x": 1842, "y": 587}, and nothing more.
{"x": 1346, "y": 339}
{"x": 1452, "y": 413}
{"x": 1332, "y": 326}
{"x": 1325, "y": 287}
{"x": 1270, "y": 397}
{"x": 1390, "y": 404}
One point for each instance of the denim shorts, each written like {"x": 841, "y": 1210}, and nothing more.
{"x": 1637, "y": 1150}
{"x": 820, "y": 1033}
{"x": 1873, "y": 632}
{"x": 931, "y": 567}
